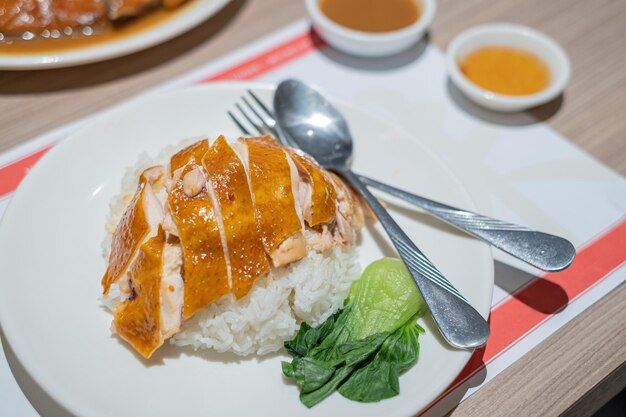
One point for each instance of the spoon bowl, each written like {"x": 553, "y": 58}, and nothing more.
{"x": 305, "y": 113}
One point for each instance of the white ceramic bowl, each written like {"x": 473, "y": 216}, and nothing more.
{"x": 371, "y": 44}
{"x": 518, "y": 36}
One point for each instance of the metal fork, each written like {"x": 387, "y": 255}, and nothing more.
{"x": 541, "y": 250}
{"x": 264, "y": 125}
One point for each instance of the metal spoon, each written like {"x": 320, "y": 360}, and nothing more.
{"x": 317, "y": 128}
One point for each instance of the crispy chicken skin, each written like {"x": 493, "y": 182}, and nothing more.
{"x": 274, "y": 200}
{"x": 229, "y": 182}
{"x": 204, "y": 262}
{"x": 138, "y": 318}
{"x": 140, "y": 222}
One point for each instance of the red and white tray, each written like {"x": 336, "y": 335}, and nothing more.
{"x": 514, "y": 167}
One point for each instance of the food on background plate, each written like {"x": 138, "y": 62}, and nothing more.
{"x": 57, "y": 18}
{"x": 230, "y": 246}
{"x": 506, "y": 70}
{"x": 361, "y": 350}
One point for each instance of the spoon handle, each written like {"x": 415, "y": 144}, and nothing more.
{"x": 541, "y": 250}
{"x": 459, "y": 323}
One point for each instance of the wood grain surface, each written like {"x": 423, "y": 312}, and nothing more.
{"x": 572, "y": 373}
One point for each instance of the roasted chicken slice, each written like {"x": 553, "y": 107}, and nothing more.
{"x": 204, "y": 260}
{"x": 317, "y": 193}
{"x": 139, "y": 223}
{"x": 271, "y": 184}
{"x": 349, "y": 215}
{"x": 229, "y": 183}
{"x": 137, "y": 319}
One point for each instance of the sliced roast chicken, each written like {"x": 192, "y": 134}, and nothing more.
{"x": 218, "y": 218}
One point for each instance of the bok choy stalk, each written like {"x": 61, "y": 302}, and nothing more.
{"x": 361, "y": 350}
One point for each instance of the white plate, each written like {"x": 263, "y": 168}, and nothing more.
{"x": 185, "y": 19}
{"x": 51, "y": 265}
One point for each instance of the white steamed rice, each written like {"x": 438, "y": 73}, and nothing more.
{"x": 309, "y": 290}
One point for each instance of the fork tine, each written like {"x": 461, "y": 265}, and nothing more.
{"x": 238, "y": 123}
{"x": 256, "y": 126}
{"x": 263, "y": 106}
{"x": 269, "y": 125}
{"x": 261, "y": 119}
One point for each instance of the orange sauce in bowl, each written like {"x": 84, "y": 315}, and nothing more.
{"x": 372, "y": 15}
{"x": 506, "y": 70}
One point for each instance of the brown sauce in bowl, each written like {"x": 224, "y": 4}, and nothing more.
{"x": 372, "y": 15}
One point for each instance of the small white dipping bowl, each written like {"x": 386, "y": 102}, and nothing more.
{"x": 510, "y": 35}
{"x": 371, "y": 44}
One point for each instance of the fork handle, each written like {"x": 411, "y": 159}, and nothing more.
{"x": 460, "y": 324}
{"x": 541, "y": 250}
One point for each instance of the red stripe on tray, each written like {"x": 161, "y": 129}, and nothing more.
{"x": 551, "y": 293}
{"x": 543, "y": 297}
{"x": 12, "y": 174}
{"x": 269, "y": 60}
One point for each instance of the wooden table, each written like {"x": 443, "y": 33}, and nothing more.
{"x": 576, "y": 370}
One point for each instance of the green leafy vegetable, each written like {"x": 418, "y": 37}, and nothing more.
{"x": 378, "y": 379}
{"x": 361, "y": 350}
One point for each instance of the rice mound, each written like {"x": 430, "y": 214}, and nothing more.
{"x": 309, "y": 290}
